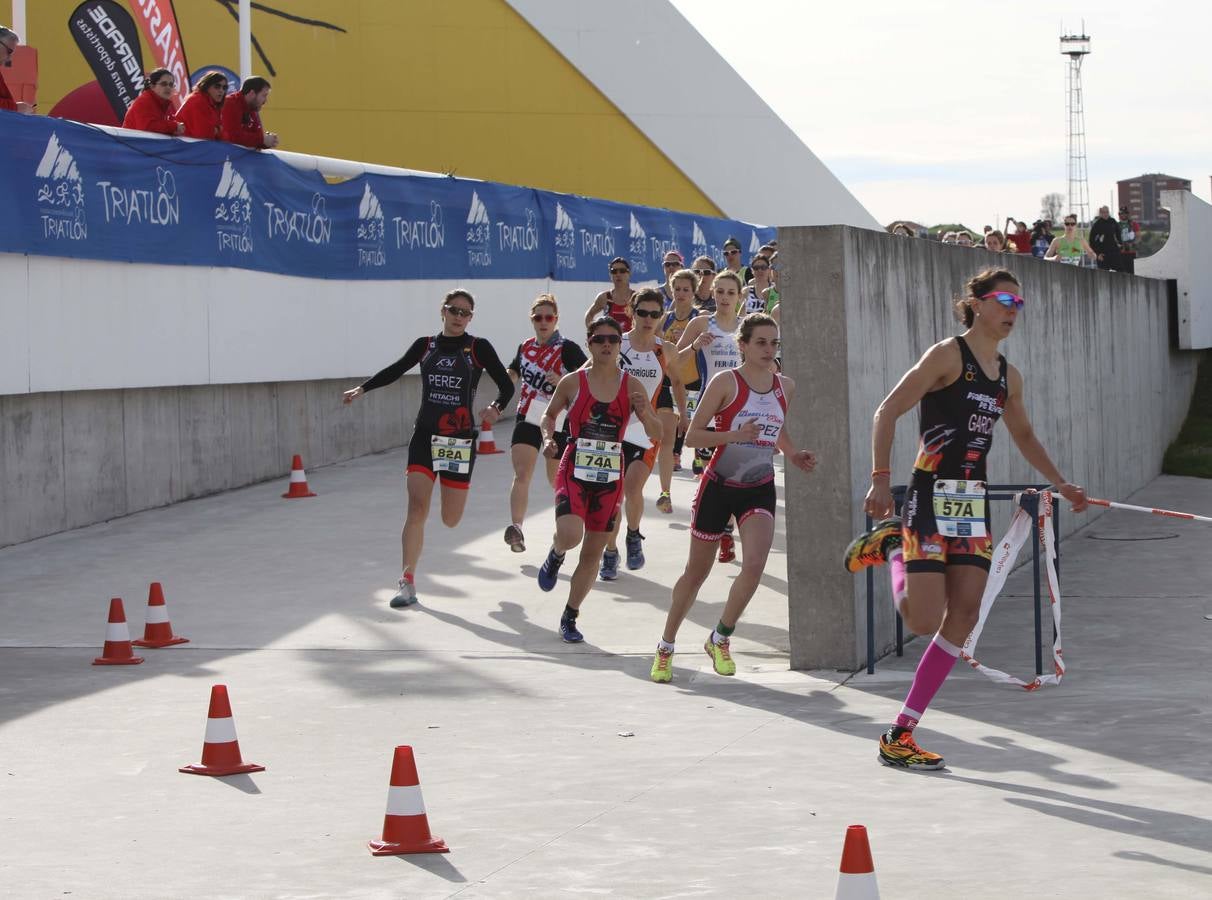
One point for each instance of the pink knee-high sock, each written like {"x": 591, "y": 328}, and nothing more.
{"x": 896, "y": 568}
{"x": 937, "y": 663}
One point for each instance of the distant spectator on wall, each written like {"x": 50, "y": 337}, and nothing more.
{"x": 704, "y": 268}
{"x": 951, "y": 237}
{"x": 1041, "y": 238}
{"x": 995, "y": 242}
{"x": 1070, "y": 248}
{"x": 963, "y": 238}
{"x": 1129, "y": 232}
{"x": 153, "y": 109}
{"x": 1104, "y": 238}
{"x": 8, "y": 46}
{"x": 902, "y": 230}
{"x": 1018, "y": 236}
{"x": 201, "y": 111}
{"x": 241, "y": 117}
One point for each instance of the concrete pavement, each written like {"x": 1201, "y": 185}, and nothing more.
{"x": 740, "y": 787}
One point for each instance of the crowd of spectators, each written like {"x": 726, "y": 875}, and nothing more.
{"x": 1110, "y": 243}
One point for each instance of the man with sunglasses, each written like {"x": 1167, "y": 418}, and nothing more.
{"x": 939, "y": 554}
{"x": 1104, "y": 238}
{"x": 8, "y": 46}
{"x": 615, "y": 302}
{"x": 1070, "y": 248}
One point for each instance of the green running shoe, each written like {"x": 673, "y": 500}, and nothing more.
{"x": 721, "y": 659}
{"x": 662, "y": 667}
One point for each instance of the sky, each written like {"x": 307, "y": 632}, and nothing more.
{"x": 949, "y": 112}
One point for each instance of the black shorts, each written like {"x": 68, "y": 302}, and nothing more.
{"x": 716, "y": 503}
{"x": 420, "y": 459}
{"x": 529, "y": 434}
{"x": 925, "y": 550}
{"x": 635, "y": 453}
{"x": 665, "y": 397}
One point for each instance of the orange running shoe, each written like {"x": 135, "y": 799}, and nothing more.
{"x": 900, "y": 750}
{"x": 871, "y": 548}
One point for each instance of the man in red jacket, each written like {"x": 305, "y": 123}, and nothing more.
{"x": 8, "y": 46}
{"x": 242, "y": 115}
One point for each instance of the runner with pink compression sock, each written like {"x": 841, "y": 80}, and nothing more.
{"x": 938, "y": 553}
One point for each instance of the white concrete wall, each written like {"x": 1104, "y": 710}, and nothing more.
{"x": 648, "y": 60}
{"x": 74, "y": 325}
{"x": 1186, "y": 259}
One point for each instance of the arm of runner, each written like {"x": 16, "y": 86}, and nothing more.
{"x": 720, "y": 392}
{"x": 392, "y": 373}
{"x": 486, "y": 356}
{"x": 686, "y": 343}
{"x": 800, "y": 458}
{"x": 515, "y": 367}
{"x": 1023, "y": 435}
{"x": 1050, "y": 253}
{"x": 939, "y": 362}
{"x": 572, "y": 357}
{"x": 681, "y": 398}
{"x": 600, "y": 303}
{"x": 559, "y": 402}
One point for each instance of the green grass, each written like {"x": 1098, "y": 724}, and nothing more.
{"x": 1191, "y": 452}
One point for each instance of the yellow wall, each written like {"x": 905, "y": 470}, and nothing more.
{"x": 463, "y": 86}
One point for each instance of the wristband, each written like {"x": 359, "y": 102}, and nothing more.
{"x": 875, "y": 473}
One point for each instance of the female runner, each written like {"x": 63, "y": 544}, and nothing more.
{"x": 589, "y": 484}
{"x": 749, "y": 407}
{"x": 684, "y": 384}
{"x": 964, "y": 385}
{"x": 539, "y": 364}
{"x": 443, "y": 439}
{"x": 615, "y": 302}
{"x": 641, "y": 356}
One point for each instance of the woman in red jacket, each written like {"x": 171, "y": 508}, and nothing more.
{"x": 200, "y": 113}
{"x": 153, "y": 109}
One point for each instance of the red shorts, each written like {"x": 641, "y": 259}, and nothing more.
{"x": 597, "y": 505}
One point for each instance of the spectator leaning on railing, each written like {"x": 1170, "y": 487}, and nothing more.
{"x": 995, "y": 241}
{"x": 241, "y": 115}
{"x": 8, "y": 46}
{"x": 153, "y": 109}
{"x": 201, "y": 111}
{"x": 1020, "y": 238}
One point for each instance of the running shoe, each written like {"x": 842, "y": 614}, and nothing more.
{"x": 721, "y": 659}
{"x": 696, "y": 466}
{"x": 549, "y": 570}
{"x": 662, "y": 666}
{"x": 899, "y": 749}
{"x": 727, "y": 549}
{"x": 610, "y": 566}
{"x": 406, "y": 595}
{"x": 871, "y": 548}
{"x": 515, "y": 539}
{"x": 665, "y": 502}
{"x": 569, "y": 631}
{"x": 677, "y": 464}
{"x": 635, "y": 550}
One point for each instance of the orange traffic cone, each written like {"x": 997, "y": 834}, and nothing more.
{"x": 220, "y": 749}
{"x": 117, "y": 650}
{"x": 405, "y": 826}
{"x": 298, "y": 480}
{"x": 856, "y": 878}
{"x": 487, "y": 444}
{"x": 157, "y": 630}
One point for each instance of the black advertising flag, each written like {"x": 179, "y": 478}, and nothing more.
{"x": 107, "y": 36}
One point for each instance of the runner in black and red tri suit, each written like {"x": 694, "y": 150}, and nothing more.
{"x": 443, "y": 439}
{"x": 615, "y": 302}
{"x": 540, "y": 363}
{"x": 939, "y": 554}
{"x": 600, "y": 399}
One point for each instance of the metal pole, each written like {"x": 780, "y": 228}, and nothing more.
{"x": 19, "y": 20}
{"x": 245, "y": 39}
{"x": 1032, "y": 501}
{"x": 870, "y": 614}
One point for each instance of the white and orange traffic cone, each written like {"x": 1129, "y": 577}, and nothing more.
{"x": 298, "y": 480}
{"x": 117, "y": 650}
{"x": 487, "y": 444}
{"x": 220, "y": 749}
{"x": 405, "y": 826}
{"x": 856, "y": 878}
{"x": 157, "y": 630}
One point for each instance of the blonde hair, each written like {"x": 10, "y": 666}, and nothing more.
{"x": 688, "y": 275}
{"x": 545, "y": 300}
{"x": 729, "y": 275}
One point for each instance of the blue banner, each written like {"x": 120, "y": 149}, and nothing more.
{"x": 78, "y": 191}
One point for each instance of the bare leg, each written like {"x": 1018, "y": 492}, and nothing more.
{"x": 669, "y": 434}
{"x": 686, "y": 589}
{"x": 454, "y": 501}
{"x": 757, "y": 534}
{"x": 633, "y": 501}
{"x": 523, "y": 456}
{"x": 420, "y": 492}
{"x": 965, "y": 588}
{"x": 925, "y": 601}
{"x": 586, "y": 572}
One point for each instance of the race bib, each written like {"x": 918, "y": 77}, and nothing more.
{"x": 538, "y": 406}
{"x": 451, "y": 454}
{"x": 959, "y": 508}
{"x": 1071, "y": 260}
{"x": 598, "y": 462}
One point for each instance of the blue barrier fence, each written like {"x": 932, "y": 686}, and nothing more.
{"x": 78, "y": 191}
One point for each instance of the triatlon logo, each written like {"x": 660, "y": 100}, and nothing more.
{"x": 565, "y": 240}
{"x": 370, "y": 230}
{"x": 636, "y": 249}
{"x": 312, "y": 226}
{"x": 479, "y": 234}
{"x": 60, "y": 194}
{"x": 158, "y": 205}
{"x": 421, "y": 233}
{"x": 233, "y": 211}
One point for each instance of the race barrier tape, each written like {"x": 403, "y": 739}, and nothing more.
{"x": 78, "y": 191}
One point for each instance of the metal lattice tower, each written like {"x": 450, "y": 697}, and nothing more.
{"x": 1076, "y": 47}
